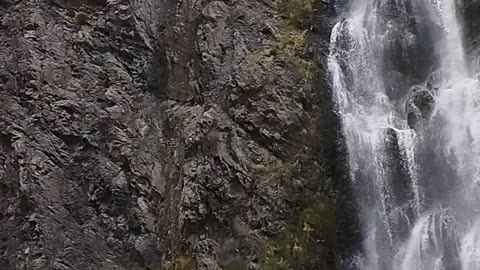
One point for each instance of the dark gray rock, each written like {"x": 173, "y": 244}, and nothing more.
{"x": 74, "y": 194}
{"x": 135, "y": 137}
{"x": 397, "y": 85}
{"x": 419, "y": 106}
{"x": 472, "y": 22}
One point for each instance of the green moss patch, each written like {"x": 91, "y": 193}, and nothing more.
{"x": 184, "y": 262}
{"x": 297, "y": 13}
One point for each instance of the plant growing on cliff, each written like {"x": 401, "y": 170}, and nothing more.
{"x": 184, "y": 262}
{"x": 291, "y": 41}
{"x": 312, "y": 222}
{"x": 297, "y": 12}
{"x": 305, "y": 67}
{"x": 313, "y": 213}
{"x": 291, "y": 249}
{"x": 295, "y": 16}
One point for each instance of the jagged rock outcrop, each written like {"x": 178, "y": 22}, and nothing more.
{"x": 419, "y": 106}
{"x": 471, "y": 24}
{"x": 80, "y": 139}
{"x": 166, "y": 134}
{"x": 471, "y": 21}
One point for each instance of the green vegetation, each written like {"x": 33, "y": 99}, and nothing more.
{"x": 274, "y": 172}
{"x": 306, "y": 68}
{"x": 295, "y": 16}
{"x": 302, "y": 179}
{"x": 292, "y": 248}
{"x": 184, "y": 262}
{"x": 313, "y": 213}
{"x": 289, "y": 40}
{"x": 297, "y": 12}
{"x": 288, "y": 49}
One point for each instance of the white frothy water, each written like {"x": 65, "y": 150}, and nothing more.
{"x": 365, "y": 110}
{"x": 470, "y": 248}
{"x": 407, "y": 140}
{"x": 417, "y": 189}
{"x": 431, "y": 236}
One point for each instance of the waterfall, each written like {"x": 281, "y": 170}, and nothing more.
{"x": 409, "y": 102}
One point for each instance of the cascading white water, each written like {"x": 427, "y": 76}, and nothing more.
{"x": 410, "y": 111}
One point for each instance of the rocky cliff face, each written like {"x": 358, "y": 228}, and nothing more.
{"x": 189, "y": 134}
{"x": 470, "y": 9}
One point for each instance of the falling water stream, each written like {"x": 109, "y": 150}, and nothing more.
{"x": 409, "y": 100}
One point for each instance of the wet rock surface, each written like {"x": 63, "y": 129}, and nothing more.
{"x": 419, "y": 106}
{"x": 151, "y": 135}
{"x": 472, "y": 22}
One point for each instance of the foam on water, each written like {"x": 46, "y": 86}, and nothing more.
{"x": 417, "y": 189}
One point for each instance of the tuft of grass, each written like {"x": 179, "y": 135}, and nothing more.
{"x": 296, "y": 15}
{"x": 305, "y": 67}
{"x": 297, "y": 12}
{"x": 313, "y": 217}
{"x": 274, "y": 172}
{"x": 291, "y": 249}
{"x": 183, "y": 262}
{"x": 290, "y": 40}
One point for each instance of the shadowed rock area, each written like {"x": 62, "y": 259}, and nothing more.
{"x": 194, "y": 134}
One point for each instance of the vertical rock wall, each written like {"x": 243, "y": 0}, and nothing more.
{"x": 186, "y": 134}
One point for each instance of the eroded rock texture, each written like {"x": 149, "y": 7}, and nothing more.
{"x": 165, "y": 134}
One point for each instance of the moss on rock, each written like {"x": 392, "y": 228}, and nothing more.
{"x": 297, "y": 13}
{"x": 183, "y": 262}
